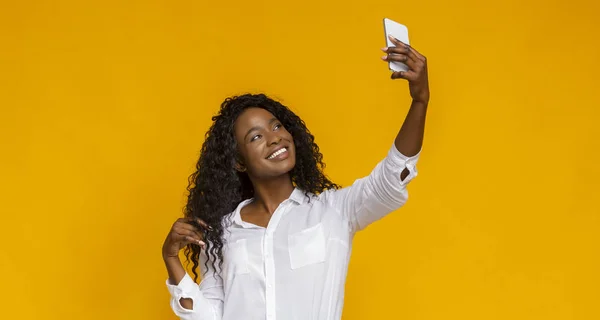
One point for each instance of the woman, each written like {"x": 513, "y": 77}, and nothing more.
{"x": 269, "y": 231}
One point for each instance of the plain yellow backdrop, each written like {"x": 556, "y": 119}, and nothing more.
{"x": 104, "y": 105}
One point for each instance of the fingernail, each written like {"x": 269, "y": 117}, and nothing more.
{"x": 384, "y": 58}
{"x": 384, "y": 49}
{"x": 200, "y": 243}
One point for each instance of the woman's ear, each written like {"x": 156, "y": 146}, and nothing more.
{"x": 239, "y": 163}
{"x": 240, "y": 167}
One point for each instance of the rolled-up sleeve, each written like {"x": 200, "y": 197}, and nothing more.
{"x": 207, "y": 297}
{"x": 370, "y": 198}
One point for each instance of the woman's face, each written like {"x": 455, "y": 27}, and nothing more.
{"x": 266, "y": 147}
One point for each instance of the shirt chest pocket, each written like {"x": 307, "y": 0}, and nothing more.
{"x": 307, "y": 247}
{"x": 237, "y": 257}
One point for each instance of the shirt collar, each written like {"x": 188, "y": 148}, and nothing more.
{"x": 296, "y": 196}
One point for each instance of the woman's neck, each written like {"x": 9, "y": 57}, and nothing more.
{"x": 269, "y": 194}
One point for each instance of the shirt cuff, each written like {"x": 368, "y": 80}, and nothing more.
{"x": 186, "y": 288}
{"x": 401, "y": 161}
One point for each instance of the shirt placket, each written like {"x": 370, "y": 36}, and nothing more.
{"x": 270, "y": 261}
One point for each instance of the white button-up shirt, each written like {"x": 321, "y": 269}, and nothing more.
{"x": 295, "y": 268}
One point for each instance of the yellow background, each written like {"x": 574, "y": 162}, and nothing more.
{"x": 104, "y": 106}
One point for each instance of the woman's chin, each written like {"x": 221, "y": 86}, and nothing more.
{"x": 279, "y": 173}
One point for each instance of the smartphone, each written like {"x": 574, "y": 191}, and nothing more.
{"x": 399, "y": 32}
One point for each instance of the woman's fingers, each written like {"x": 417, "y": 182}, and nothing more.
{"x": 403, "y": 53}
{"x": 202, "y": 223}
{"x": 402, "y": 49}
{"x": 408, "y": 75}
{"x": 398, "y": 57}
{"x": 187, "y": 231}
{"x": 190, "y": 224}
{"x": 193, "y": 240}
{"x": 417, "y": 54}
{"x": 185, "y": 225}
{"x": 182, "y": 233}
{"x": 187, "y": 237}
{"x": 412, "y": 52}
{"x": 406, "y": 54}
{"x": 190, "y": 228}
{"x": 192, "y": 221}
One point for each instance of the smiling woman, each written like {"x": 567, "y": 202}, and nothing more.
{"x": 270, "y": 233}
{"x": 265, "y": 146}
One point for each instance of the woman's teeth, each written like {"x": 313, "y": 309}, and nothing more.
{"x": 276, "y": 153}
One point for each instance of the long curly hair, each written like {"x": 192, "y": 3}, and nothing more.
{"x": 216, "y": 188}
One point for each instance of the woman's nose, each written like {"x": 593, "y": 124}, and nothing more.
{"x": 274, "y": 139}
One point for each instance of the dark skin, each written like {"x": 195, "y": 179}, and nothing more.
{"x": 410, "y": 138}
{"x": 258, "y": 135}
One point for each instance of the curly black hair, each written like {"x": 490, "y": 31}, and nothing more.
{"x": 216, "y": 188}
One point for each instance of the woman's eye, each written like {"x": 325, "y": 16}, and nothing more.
{"x": 277, "y": 126}
{"x": 255, "y": 137}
